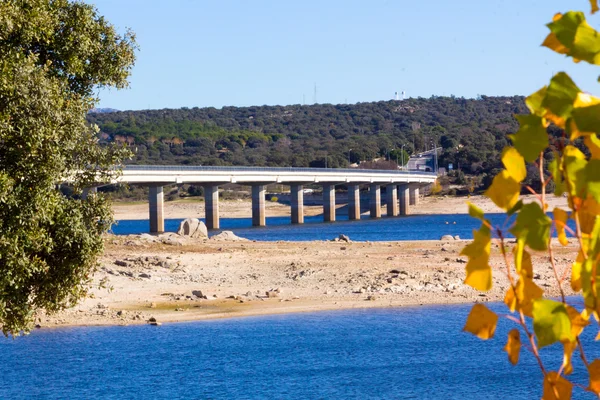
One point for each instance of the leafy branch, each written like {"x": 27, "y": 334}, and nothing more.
{"x": 576, "y": 176}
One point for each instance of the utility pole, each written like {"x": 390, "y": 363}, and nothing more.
{"x": 402, "y": 157}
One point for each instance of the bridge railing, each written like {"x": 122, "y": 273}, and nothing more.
{"x": 271, "y": 169}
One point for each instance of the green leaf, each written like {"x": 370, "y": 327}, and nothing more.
{"x": 531, "y": 138}
{"x": 504, "y": 190}
{"x": 515, "y": 208}
{"x": 592, "y": 176}
{"x": 587, "y": 119}
{"x": 534, "y": 225}
{"x": 554, "y": 168}
{"x": 559, "y": 99}
{"x": 573, "y": 36}
{"x": 551, "y": 323}
{"x": 575, "y": 168}
{"x": 476, "y": 212}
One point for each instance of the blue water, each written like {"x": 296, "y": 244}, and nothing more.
{"x": 414, "y": 227}
{"x": 400, "y": 353}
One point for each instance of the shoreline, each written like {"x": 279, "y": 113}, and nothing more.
{"x": 211, "y": 279}
{"x": 180, "y": 209}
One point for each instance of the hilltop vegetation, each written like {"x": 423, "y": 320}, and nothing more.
{"x": 472, "y": 133}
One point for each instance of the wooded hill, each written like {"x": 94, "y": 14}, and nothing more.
{"x": 472, "y": 132}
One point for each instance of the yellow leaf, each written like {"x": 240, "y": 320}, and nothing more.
{"x": 513, "y": 346}
{"x": 594, "y": 4}
{"x": 578, "y": 320}
{"x": 556, "y": 387}
{"x": 594, "y": 371}
{"x": 585, "y": 100}
{"x": 568, "y": 348}
{"x": 576, "y": 273}
{"x": 534, "y": 102}
{"x": 527, "y": 293}
{"x": 479, "y": 272}
{"x": 481, "y": 322}
{"x": 593, "y": 144}
{"x": 574, "y": 164}
{"x": 552, "y": 43}
{"x": 514, "y": 163}
{"x": 560, "y": 221}
{"x": 504, "y": 191}
{"x": 523, "y": 263}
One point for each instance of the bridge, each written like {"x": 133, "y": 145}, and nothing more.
{"x": 402, "y": 188}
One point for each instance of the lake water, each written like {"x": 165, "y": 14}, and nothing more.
{"x": 414, "y": 227}
{"x": 400, "y": 353}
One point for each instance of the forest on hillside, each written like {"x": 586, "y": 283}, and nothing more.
{"x": 471, "y": 132}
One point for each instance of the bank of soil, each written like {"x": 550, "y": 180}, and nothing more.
{"x": 203, "y": 279}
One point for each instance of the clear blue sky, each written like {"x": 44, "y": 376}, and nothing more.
{"x": 241, "y": 53}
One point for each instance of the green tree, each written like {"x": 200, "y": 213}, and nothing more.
{"x": 539, "y": 320}
{"x": 55, "y": 54}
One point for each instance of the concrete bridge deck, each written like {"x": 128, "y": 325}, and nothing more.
{"x": 402, "y": 188}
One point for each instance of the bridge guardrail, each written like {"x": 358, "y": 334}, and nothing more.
{"x": 269, "y": 169}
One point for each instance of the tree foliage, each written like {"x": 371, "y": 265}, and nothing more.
{"x": 472, "y": 133}
{"x": 574, "y": 171}
{"x": 54, "y": 54}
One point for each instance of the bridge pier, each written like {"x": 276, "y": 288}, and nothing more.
{"x": 375, "y": 200}
{"x": 297, "y": 202}
{"x": 156, "y": 208}
{"x": 329, "y": 203}
{"x": 353, "y": 202}
{"x": 258, "y": 205}
{"x": 391, "y": 192}
{"x": 414, "y": 194}
{"x": 211, "y": 206}
{"x": 404, "y": 199}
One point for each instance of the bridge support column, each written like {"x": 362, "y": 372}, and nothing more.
{"x": 258, "y": 205}
{"x": 404, "y": 199}
{"x": 297, "y": 204}
{"x": 328, "y": 203}
{"x": 211, "y": 206}
{"x": 375, "y": 200}
{"x": 414, "y": 195}
{"x": 391, "y": 192}
{"x": 157, "y": 220}
{"x": 88, "y": 191}
{"x": 353, "y": 202}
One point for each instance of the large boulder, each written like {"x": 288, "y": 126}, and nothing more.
{"x": 447, "y": 237}
{"x": 192, "y": 227}
{"x": 228, "y": 236}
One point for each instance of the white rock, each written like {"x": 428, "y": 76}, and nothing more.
{"x": 192, "y": 227}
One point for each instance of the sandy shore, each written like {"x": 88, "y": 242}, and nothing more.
{"x": 195, "y": 279}
{"x": 205, "y": 279}
{"x": 243, "y": 209}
